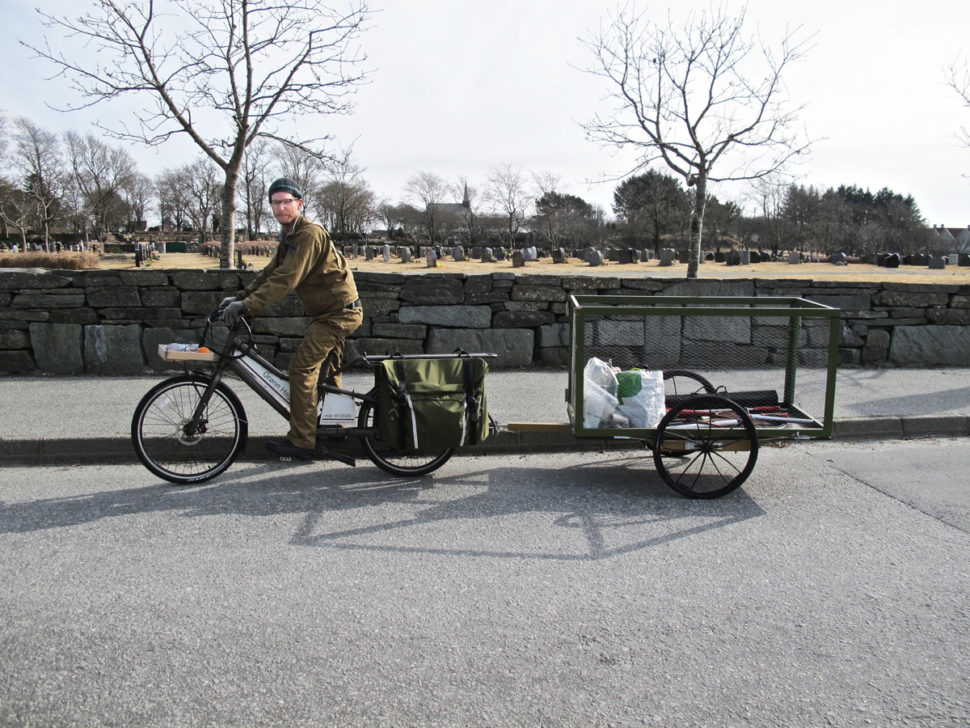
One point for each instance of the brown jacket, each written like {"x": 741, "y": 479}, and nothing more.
{"x": 306, "y": 261}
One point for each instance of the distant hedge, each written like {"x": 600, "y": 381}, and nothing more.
{"x": 51, "y": 261}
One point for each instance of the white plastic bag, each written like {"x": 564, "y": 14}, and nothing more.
{"x": 599, "y": 393}
{"x": 601, "y": 373}
{"x": 641, "y": 399}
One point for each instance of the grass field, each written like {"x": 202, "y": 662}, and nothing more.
{"x": 952, "y": 275}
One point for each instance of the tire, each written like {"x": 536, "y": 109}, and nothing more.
{"x": 163, "y": 446}
{"x": 701, "y": 458}
{"x": 393, "y": 461}
{"x": 681, "y": 383}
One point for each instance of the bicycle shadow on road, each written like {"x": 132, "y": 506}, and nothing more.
{"x": 581, "y": 512}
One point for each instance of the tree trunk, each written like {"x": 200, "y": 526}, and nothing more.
{"x": 697, "y": 224}
{"x": 227, "y": 233}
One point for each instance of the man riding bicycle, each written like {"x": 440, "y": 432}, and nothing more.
{"x": 308, "y": 262}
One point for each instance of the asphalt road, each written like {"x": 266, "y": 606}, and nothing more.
{"x": 833, "y": 589}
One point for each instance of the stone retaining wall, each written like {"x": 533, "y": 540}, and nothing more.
{"x": 110, "y": 322}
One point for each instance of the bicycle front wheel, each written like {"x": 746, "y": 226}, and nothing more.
{"x": 393, "y": 461}
{"x": 171, "y": 447}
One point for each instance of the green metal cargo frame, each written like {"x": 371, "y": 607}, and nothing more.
{"x": 584, "y": 309}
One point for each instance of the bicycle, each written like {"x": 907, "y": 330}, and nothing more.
{"x": 191, "y": 427}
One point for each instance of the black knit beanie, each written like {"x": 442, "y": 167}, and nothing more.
{"x": 285, "y": 184}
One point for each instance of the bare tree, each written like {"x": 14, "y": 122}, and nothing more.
{"x": 222, "y": 72}
{"x": 173, "y": 198}
{"x": 546, "y": 182}
{"x": 698, "y": 97}
{"x": 958, "y": 78}
{"x": 202, "y": 184}
{"x": 429, "y": 190}
{"x": 345, "y": 202}
{"x": 16, "y": 208}
{"x": 37, "y": 158}
{"x": 137, "y": 193}
{"x": 507, "y": 191}
{"x": 253, "y": 188}
{"x": 101, "y": 172}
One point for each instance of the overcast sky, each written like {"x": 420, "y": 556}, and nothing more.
{"x": 461, "y": 86}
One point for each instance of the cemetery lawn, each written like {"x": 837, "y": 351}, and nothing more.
{"x": 856, "y": 272}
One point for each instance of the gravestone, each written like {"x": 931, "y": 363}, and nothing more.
{"x": 487, "y": 256}
{"x": 369, "y": 253}
{"x": 518, "y": 259}
{"x": 595, "y": 258}
{"x": 794, "y": 258}
{"x": 838, "y": 259}
{"x": 405, "y": 255}
{"x": 431, "y": 259}
{"x": 666, "y": 257}
{"x": 625, "y": 256}
{"x": 963, "y": 260}
{"x": 745, "y": 257}
{"x": 683, "y": 256}
{"x": 892, "y": 260}
{"x": 459, "y": 254}
{"x": 953, "y": 259}
{"x": 558, "y": 255}
{"x": 937, "y": 262}
{"x": 387, "y": 253}
{"x": 733, "y": 258}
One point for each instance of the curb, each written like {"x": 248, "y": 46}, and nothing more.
{"x": 899, "y": 428}
{"x": 118, "y": 449}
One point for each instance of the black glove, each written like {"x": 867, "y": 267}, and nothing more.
{"x": 234, "y": 311}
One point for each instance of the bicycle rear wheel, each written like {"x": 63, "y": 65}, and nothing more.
{"x": 395, "y": 461}
{"x": 168, "y": 446}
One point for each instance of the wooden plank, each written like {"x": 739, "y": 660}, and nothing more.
{"x": 539, "y": 427}
{"x": 172, "y": 355}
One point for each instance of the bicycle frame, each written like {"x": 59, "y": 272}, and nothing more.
{"x": 273, "y": 385}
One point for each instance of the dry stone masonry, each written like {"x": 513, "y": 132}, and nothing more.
{"x": 110, "y": 322}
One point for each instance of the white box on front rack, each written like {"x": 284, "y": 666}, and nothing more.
{"x": 338, "y": 409}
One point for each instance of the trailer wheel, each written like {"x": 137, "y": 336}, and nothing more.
{"x": 705, "y": 447}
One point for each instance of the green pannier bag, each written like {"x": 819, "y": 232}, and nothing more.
{"x": 432, "y": 404}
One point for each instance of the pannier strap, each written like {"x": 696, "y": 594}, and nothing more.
{"x": 404, "y": 399}
{"x": 472, "y": 398}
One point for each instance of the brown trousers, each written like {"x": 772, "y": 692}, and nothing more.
{"x": 323, "y": 341}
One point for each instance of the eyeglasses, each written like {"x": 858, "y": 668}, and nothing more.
{"x": 284, "y": 203}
